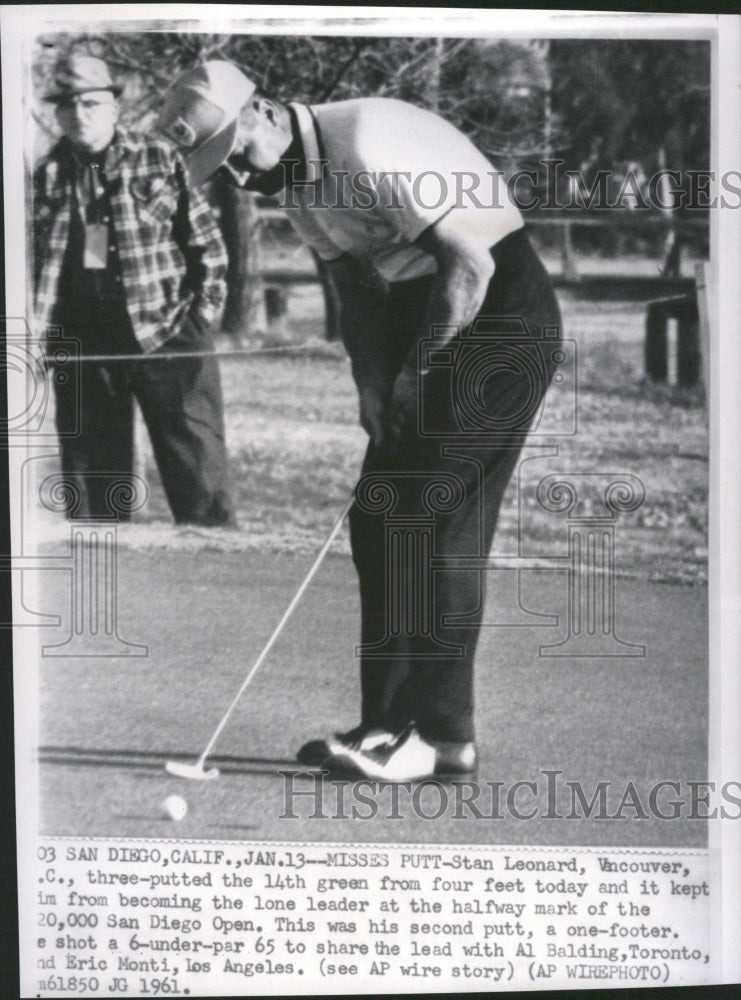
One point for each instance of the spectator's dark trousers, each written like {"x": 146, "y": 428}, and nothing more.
{"x": 406, "y": 684}
{"x": 180, "y": 400}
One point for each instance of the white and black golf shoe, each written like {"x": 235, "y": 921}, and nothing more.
{"x": 322, "y": 753}
{"x": 407, "y": 757}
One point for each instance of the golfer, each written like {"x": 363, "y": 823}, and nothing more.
{"x": 426, "y": 251}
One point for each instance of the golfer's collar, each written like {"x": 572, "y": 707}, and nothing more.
{"x": 310, "y": 141}
{"x": 240, "y": 178}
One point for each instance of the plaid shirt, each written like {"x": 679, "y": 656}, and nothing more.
{"x": 170, "y": 251}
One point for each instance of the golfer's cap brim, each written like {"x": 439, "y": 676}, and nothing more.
{"x": 202, "y": 162}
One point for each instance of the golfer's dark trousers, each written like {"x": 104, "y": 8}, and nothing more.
{"x": 181, "y": 403}
{"x": 431, "y": 500}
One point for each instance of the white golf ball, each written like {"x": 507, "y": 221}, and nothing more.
{"x": 175, "y": 807}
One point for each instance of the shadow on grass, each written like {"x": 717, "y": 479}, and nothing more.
{"x": 153, "y": 761}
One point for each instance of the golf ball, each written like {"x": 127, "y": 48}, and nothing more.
{"x": 175, "y": 807}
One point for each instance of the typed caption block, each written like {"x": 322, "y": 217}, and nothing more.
{"x": 144, "y": 918}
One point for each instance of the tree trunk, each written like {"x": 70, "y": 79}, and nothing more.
{"x": 672, "y": 247}
{"x": 434, "y": 68}
{"x": 331, "y": 300}
{"x": 244, "y": 313}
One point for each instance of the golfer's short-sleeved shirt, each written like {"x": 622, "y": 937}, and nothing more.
{"x": 380, "y": 172}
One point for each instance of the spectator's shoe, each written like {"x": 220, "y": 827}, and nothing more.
{"x": 408, "y": 757}
{"x": 318, "y": 753}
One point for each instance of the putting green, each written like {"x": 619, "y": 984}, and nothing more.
{"x": 108, "y": 726}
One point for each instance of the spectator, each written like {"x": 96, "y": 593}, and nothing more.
{"x": 129, "y": 262}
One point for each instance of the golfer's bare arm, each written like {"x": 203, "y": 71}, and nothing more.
{"x": 464, "y": 270}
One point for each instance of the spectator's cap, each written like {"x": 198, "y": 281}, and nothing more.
{"x": 201, "y": 113}
{"x": 80, "y": 74}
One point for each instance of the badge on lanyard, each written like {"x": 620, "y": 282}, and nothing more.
{"x": 96, "y": 246}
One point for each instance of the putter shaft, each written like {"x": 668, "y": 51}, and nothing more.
{"x": 276, "y": 632}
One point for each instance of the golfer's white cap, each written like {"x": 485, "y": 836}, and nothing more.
{"x": 201, "y": 112}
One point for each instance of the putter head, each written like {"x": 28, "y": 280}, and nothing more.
{"x": 194, "y": 772}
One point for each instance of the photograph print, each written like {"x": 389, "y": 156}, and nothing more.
{"x": 363, "y": 459}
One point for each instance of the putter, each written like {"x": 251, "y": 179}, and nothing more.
{"x": 197, "y": 771}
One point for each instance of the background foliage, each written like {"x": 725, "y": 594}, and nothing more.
{"x": 586, "y": 101}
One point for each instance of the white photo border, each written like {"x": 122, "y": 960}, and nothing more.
{"x": 19, "y": 23}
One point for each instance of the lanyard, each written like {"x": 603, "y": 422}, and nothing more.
{"x": 90, "y": 191}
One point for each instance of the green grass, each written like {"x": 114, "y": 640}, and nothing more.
{"x": 296, "y": 446}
